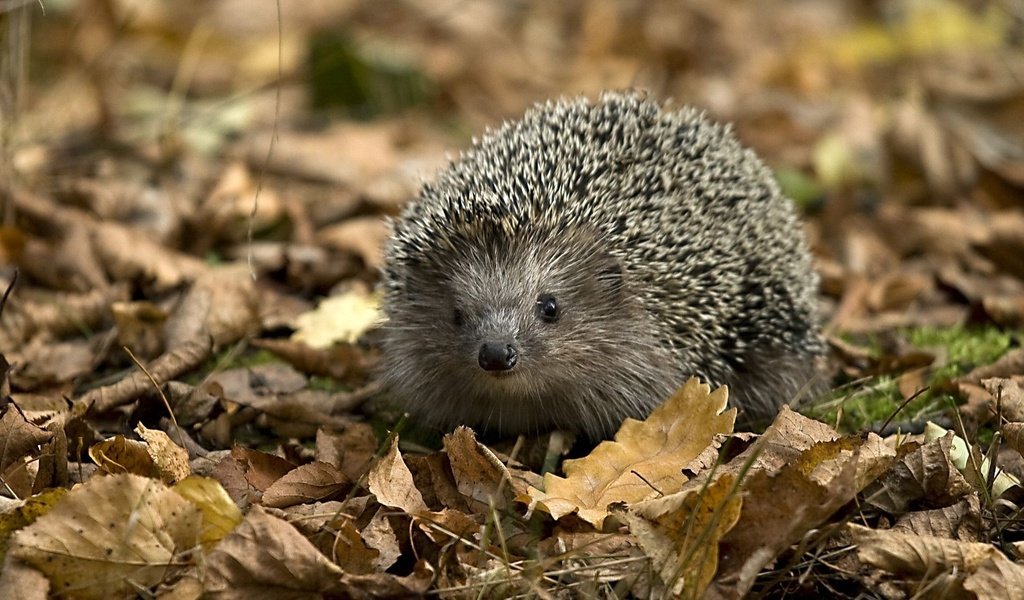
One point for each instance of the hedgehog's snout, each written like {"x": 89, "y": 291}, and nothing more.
{"x": 497, "y": 356}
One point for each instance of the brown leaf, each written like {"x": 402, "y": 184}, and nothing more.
{"x": 917, "y": 557}
{"x": 379, "y": 535}
{"x": 121, "y": 455}
{"x": 306, "y": 483}
{"x": 646, "y": 457}
{"x": 221, "y": 304}
{"x": 960, "y": 521}
{"x": 996, "y": 578}
{"x": 170, "y": 459}
{"x": 925, "y": 477}
{"x": 392, "y": 484}
{"x": 681, "y": 533}
{"x": 265, "y": 557}
{"x": 351, "y": 449}
{"x": 112, "y": 534}
{"x": 20, "y": 438}
{"x": 479, "y": 474}
{"x": 1009, "y": 394}
{"x": 780, "y": 507}
{"x": 362, "y": 236}
{"x": 261, "y": 469}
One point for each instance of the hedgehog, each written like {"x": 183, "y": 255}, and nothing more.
{"x": 576, "y": 266}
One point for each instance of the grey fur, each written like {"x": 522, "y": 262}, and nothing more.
{"x": 668, "y": 246}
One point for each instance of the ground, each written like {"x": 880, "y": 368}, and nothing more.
{"x": 195, "y": 197}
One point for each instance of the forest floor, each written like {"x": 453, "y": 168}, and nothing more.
{"x": 195, "y": 199}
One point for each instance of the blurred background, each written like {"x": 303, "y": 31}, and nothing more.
{"x": 896, "y": 126}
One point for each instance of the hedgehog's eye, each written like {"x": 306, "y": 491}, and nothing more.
{"x": 547, "y": 308}
{"x": 458, "y": 319}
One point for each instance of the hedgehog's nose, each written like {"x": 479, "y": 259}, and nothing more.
{"x": 497, "y": 356}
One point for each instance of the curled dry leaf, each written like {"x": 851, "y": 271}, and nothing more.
{"x": 20, "y": 438}
{"x": 646, "y": 457}
{"x": 111, "y": 536}
{"x": 996, "y": 578}
{"x": 170, "y": 459}
{"x": 917, "y": 557}
{"x": 265, "y": 557}
{"x": 392, "y": 483}
{"x": 780, "y": 507}
{"x": 925, "y": 476}
{"x": 351, "y": 449}
{"x": 479, "y": 475}
{"x": 961, "y": 521}
{"x": 680, "y": 533}
{"x": 122, "y": 455}
{"x": 379, "y": 535}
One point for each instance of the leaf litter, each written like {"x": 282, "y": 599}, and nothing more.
{"x": 189, "y": 405}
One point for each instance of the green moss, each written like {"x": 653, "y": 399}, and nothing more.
{"x": 870, "y": 402}
{"x": 964, "y": 348}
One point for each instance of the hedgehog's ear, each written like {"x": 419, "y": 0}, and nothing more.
{"x": 611, "y": 274}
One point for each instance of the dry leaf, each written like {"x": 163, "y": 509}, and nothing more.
{"x": 780, "y": 507}
{"x": 121, "y": 455}
{"x": 996, "y": 578}
{"x": 341, "y": 318}
{"x": 479, "y": 474}
{"x": 170, "y": 459}
{"x": 392, "y": 484}
{"x": 351, "y": 449}
{"x": 20, "y": 438}
{"x": 265, "y": 557}
{"x": 306, "y": 483}
{"x": 220, "y": 514}
{"x": 913, "y": 556}
{"x": 681, "y": 533}
{"x": 646, "y": 457}
{"x": 112, "y": 535}
{"x": 925, "y": 476}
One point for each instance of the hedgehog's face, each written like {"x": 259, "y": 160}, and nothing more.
{"x": 509, "y": 323}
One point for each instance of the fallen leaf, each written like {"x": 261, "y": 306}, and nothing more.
{"x": 170, "y": 459}
{"x": 306, "y": 483}
{"x": 914, "y": 556}
{"x": 122, "y": 455}
{"x": 265, "y": 557}
{"x": 220, "y": 514}
{"x": 392, "y": 484}
{"x": 479, "y": 474}
{"x": 111, "y": 535}
{"x": 341, "y": 318}
{"x": 646, "y": 457}
{"x": 681, "y": 532}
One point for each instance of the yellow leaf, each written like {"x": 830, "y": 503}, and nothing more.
{"x": 646, "y": 457}
{"x": 220, "y": 513}
{"x": 337, "y": 319}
